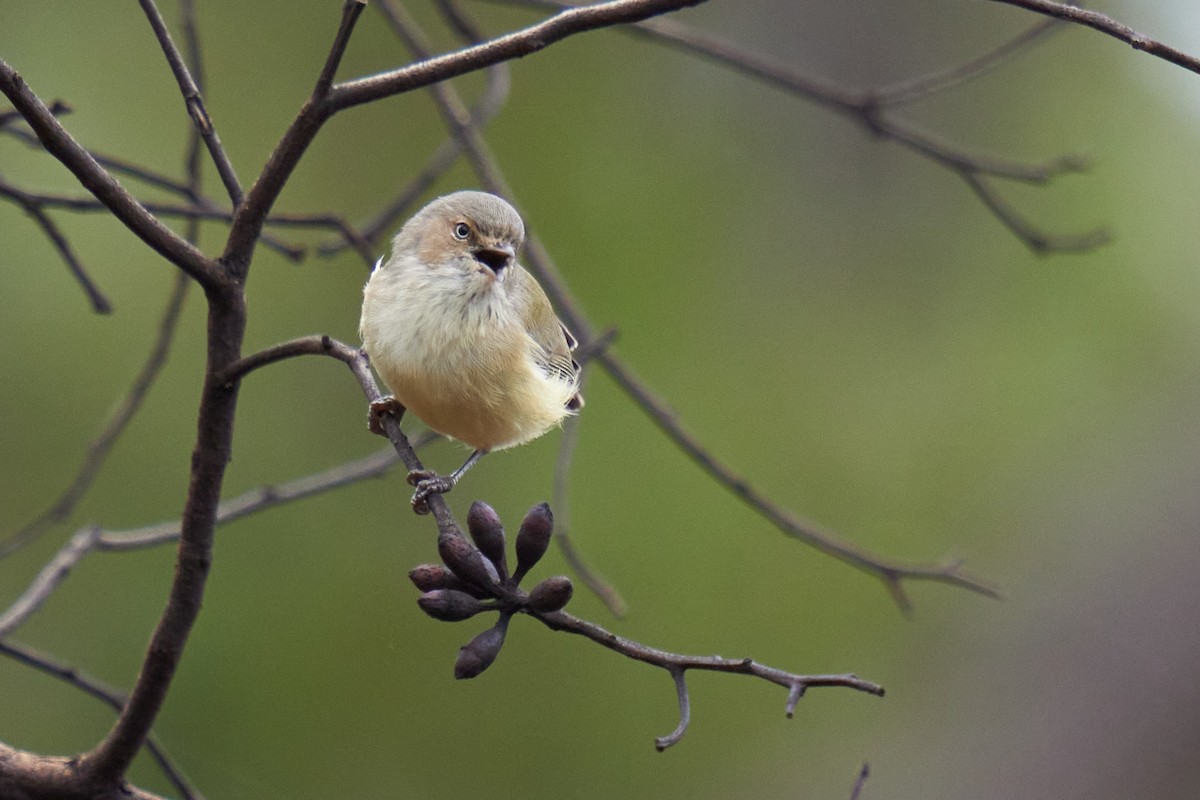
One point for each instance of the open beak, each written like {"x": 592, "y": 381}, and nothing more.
{"x": 497, "y": 258}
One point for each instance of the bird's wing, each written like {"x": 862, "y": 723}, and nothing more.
{"x": 555, "y": 343}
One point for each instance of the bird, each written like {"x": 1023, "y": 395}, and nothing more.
{"x": 464, "y": 337}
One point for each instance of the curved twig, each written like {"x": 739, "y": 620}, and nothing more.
{"x": 1109, "y": 26}
{"x": 113, "y": 698}
{"x": 870, "y": 110}
{"x": 193, "y": 99}
{"x": 677, "y": 665}
{"x": 101, "y": 445}
{"x": 685, "y": 711}
{"x": 102, "y": 184}
{"x": 33, "y": 208}
{"x": 540, "y": 263}
{"x": 860, "y": 781}
{"x": 48, "y": 579}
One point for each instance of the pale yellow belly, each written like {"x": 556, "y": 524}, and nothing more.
{"x": 485, "y": 412}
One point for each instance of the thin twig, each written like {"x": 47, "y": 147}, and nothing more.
{"x": 193, "y": 99}
{"x": 539, "y": 262}
{"x": 676, "y": 665}
{"x": 111, "y": 697}
{"x": 102, "y": 444}
{"x": 519, "y": 43}
{"x": 48, "y": 579}
{"x": 95, "y": 297}
{"x": 262, "y": 498}
{"x": 685, "y": 711}
{"x": 931, "y": 83}
{"x": 93, "y": 539}
{"x": 1109, "y": 26}
{"x": 202, "y": 207}
{"x": 350, "y": 12}
{"x": 205, "y": 209}
{"x": 868, "y": 109}
{"x": 467, "y": 135}
{"x": 891, "y": 573}
{"x": 494, "y": 95}
{"x": 860, "y": 781}
{"x": 594, "y": 581}
{"x": 1035, "y": 239}
{"x": 124, "y": 206}
{"x": 246, "y": 228}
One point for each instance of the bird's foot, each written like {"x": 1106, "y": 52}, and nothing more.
{"x": 428, "y": 483}
{"x": 381, "y": 408}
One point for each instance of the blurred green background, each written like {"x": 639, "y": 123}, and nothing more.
{"x": 839, "y": 320}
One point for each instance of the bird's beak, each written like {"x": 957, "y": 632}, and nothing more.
{"x": 496, "y": 258}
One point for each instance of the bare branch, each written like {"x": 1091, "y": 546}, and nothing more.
{"x": 594, "y": 581}
{"x": 322, "y": 345}
{"x": 113, "y": 698}
{"x": 677, "y": 665}
{"x": 925, "y": 85}
{"x": 48, "y": 579}
{"x": 100, "y": 446}
{"x": 251, "y": 215}
{"x": 97, "y": 299}
{"x": 92, "y": 539}
{"x": 351, "y": 9}
{"x": 194, "y": 101}
{"x": 891, "y": 573}
{"x": 1036, "y": 240}
{"x": 1109, "y": 26}
{"x": 685, "y": 712}
{"x": 101, "y": 183}
{"x": 539, "y": 262}
{"x": 860, "y": 781}
{"x": 263, "y": 499}
{"x": 323, "y": 104}
{"x": 869, "y": 109}
{"x": 495, "y": 93}
{"x": 205, "y": 209}
{"x": 502, "y": 48}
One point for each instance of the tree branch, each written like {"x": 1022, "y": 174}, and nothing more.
{"x": 95, "y": 297}
{"x": 870, "y": 110}
{"x": 1109, "y": 26}
{"x": 193, "y": 99}
{"x": 677, "y": 665}
{"x": 502, "y": 48}
{"x": 328, "y": 100}
{"x": 101, "y": 445}
{"x": 101, "y": 183}
{"x": 113, "y": 698}
{"x": 252, "y": 214}
{"x": 539, "y": 262}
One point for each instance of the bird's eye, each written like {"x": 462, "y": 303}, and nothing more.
{"x": 461, "y": 231}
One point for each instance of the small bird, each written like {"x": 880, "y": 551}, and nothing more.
{"x": 463, "y": 336}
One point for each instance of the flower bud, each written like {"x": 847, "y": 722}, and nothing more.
{"x": 551, "y": 594}
{"x": 533, "y": 538}
{"x": 479, "y": 653}
{"x": 465, "y": 561}
{"x": 428, "y": 577}
{"x": 488, "y": 534}
{"x": 449, "y": 605}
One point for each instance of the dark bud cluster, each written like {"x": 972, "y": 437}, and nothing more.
{"x": 473, "y": 577}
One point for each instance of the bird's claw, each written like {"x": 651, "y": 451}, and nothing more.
{"x": 381, "y": 408}
{"x": 427, "y": 483}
